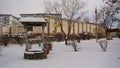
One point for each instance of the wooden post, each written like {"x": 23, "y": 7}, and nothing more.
{"x": 1, "y": 26}
{"x": 43, "y": 33}
{"x": 43, "y": 40}
{"x": 26, "y": 38}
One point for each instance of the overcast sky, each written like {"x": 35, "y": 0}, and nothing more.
{"x": 16, "y": 7}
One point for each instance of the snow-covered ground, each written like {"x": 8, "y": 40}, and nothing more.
{"x": 90, "y": 55}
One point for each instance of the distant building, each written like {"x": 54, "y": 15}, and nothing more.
{"x": 49, "y": 27}
{"x": 6, "y": 23}
{"x": 8, "y": 19}
{"x": 52, "y": 28}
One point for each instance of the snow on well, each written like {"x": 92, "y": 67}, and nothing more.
{"x": 89, "y": 55}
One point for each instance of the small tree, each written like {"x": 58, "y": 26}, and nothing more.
{"x": 70, "y": 9}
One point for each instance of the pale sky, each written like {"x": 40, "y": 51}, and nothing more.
{"x": 16, "y": 7}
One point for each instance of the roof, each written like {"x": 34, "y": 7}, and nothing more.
{"x": 45, "y": 14}
{"x": 32, "y": 21}
{"x": 8, "y": 15}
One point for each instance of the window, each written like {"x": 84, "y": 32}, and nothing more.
{"x": 6, "y": 20}
{"x": 30, "y": 29}
{"x": 0, "y": 19}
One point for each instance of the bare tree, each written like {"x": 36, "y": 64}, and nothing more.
{"x": 108, "y": 13}
{"x": 56, "y": 9}
{"x": 70, "y": 9}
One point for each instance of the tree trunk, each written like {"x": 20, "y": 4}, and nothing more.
{"x": 69, "y": 29}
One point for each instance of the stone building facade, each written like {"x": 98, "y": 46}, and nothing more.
{"x": 51, "y": 28}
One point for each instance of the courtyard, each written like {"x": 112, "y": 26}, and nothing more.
{"x": 89, "y": 55}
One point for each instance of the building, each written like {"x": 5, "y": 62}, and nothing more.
{"x": 77, "y": 28}
{"x": 48, "y": 29}
{"x": 51, "y": 28}
{"x": 8, "y": 19}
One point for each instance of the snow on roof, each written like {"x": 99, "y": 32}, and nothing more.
{"x": 32, "y": 19}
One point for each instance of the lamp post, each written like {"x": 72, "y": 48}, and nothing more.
{"x": 96, "y": 20}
